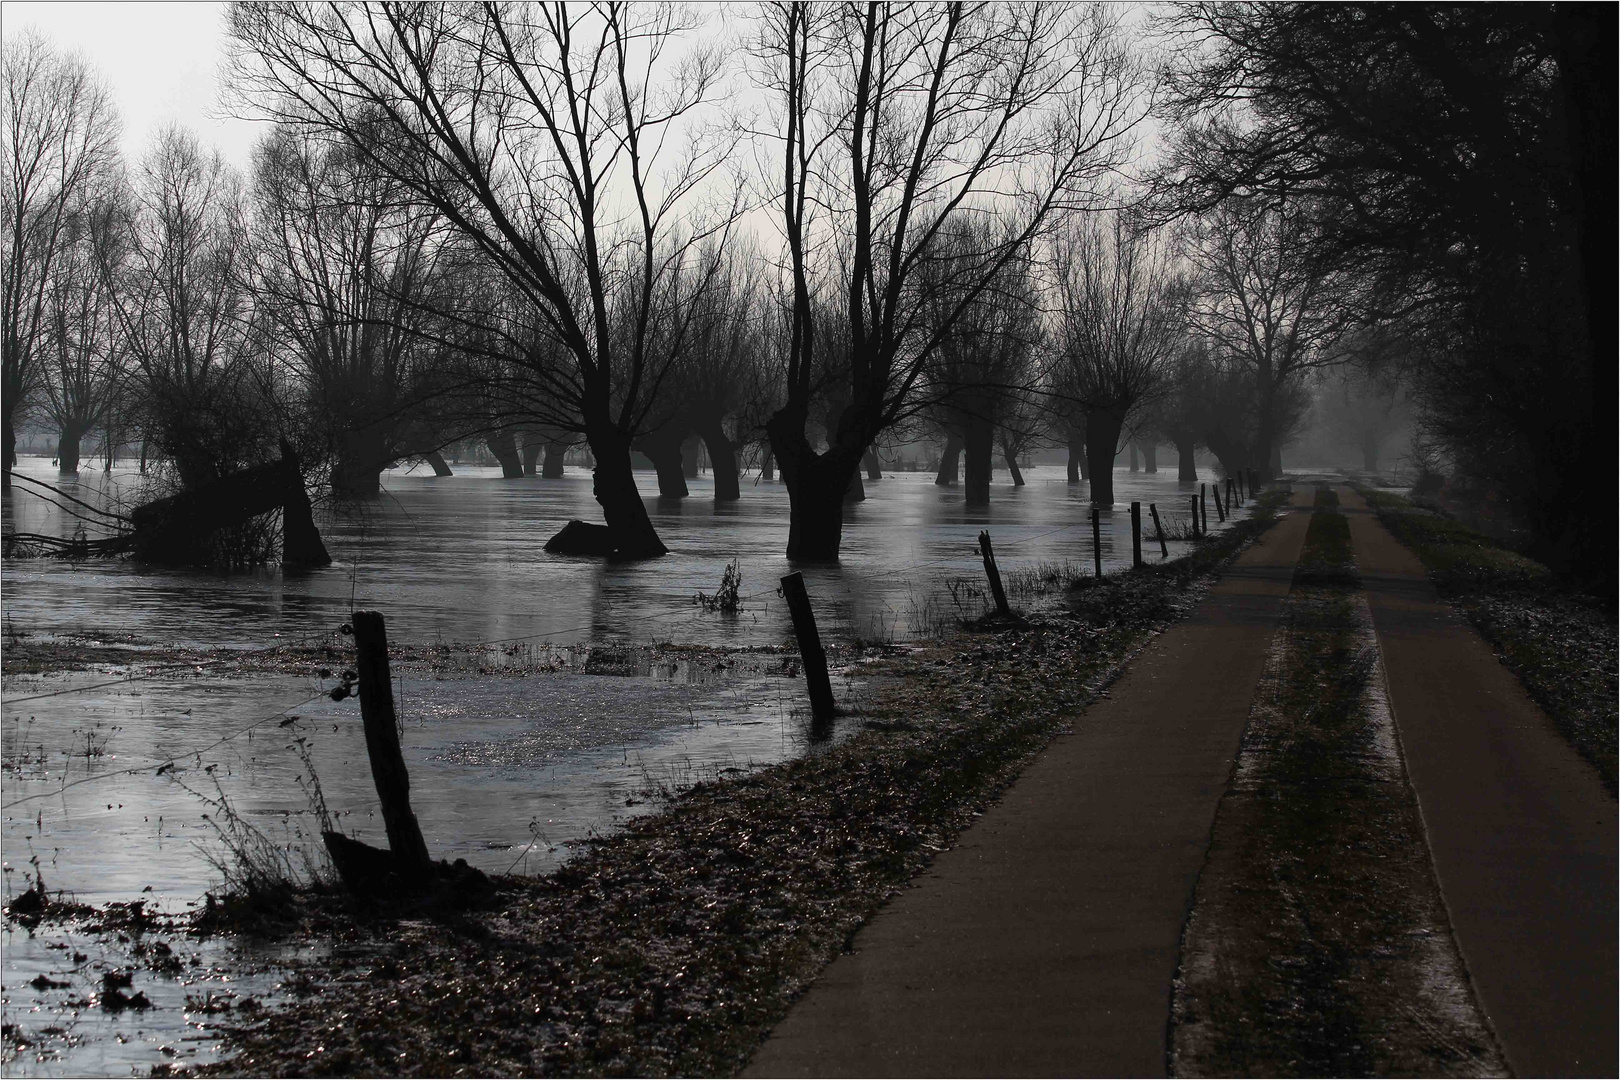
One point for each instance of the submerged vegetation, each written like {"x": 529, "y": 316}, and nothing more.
{"x": 1560, "y": 642}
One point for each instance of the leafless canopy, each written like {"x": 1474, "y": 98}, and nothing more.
{"x": 60, "y": 135}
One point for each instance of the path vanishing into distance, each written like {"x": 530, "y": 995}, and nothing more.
{"x": 1045, "y": 942}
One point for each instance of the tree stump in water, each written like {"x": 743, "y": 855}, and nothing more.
{"x": 583, "y": 538}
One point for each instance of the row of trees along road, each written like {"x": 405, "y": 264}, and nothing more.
{"x": 1457, "y": 162}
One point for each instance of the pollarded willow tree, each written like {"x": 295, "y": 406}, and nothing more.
{"x": 348, "y": 280}
{"x": 563, "y": 142}
{"x": 1118, "y": 326}
{"x": 59, "y": 153}
{"x": 84, "y": 381}
{"x": 979, "y": 379}
{"x": 893, "y": 121}
{"x": 183, "y": 299}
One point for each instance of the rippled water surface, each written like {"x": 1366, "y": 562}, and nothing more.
{"x": 461, "y": 558}
{"x": 507, "y": 772}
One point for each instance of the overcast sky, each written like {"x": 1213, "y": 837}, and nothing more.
{"x": 160, "y": 60}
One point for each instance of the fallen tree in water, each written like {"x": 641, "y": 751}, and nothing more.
{"x": 185, "y": 529}
{"x": 180, "y": 530}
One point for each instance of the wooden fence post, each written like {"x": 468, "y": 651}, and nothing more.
{"x": 1096, "y": 538}
{"x": 1164, "y": 549}
{"x": 810, "y": 651}
{"x": 1220, "y": 510}
{"x": 1203, "y": 511}
{"x": 993, "y": 573}
{"x": 1136, "y": 534}
{"x": 382, "y": 742}
{"x": 1195, "y": 517}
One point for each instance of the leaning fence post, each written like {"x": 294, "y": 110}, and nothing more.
{"x": 1096, "y": 538}
{"x": 1220, "y": 511}
{"x": 382, "y": 741}
{"x": 1164, "y": 549}
{"x": 993, "y": 573}
{"x": 810, "y": 651}
{"x": 1136, "y": 534}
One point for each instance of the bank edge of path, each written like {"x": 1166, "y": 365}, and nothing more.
{"x": 1045, "y": 941}
{"x": 1522, "y": 832}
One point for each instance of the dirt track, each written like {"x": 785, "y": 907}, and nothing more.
{"x": 1045, "y": 942}
{"x": 1522, "y": 832}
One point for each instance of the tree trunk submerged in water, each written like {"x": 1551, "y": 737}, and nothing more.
{"x": 950, "y": 460}
{"x": 874, "y": 467}
{"x": 8, "y": 447}
{"x": 1102, "y": 444}
{"x": 1186, "y": 460}
{"x": 1010, "y": 455}
{"x": 665, "y": 454}
{"x": 552, "y": 467}
{"x": 436, "y": 461}
{"x": 503, "y": 444}
{"x": 67, "y": 449}
{"x": 630, "y": 530}
{"x": 1150, "y": 457}
{"x": 978, "y": 448}
{"x": 723, "y": 461}
{"x": 817, "y": 484}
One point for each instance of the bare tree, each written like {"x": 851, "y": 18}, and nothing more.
{"x": 347, "y": 276}
{"x": 1116, "y": 331}
{"x": 86, "y": 360}
{"x": 977, "y": 375}
{"x": 562, "y": 142}
{"x": 894, "y": 121}
{"x": 183, "y": 301}
{"x": 725, "y": 374}
{"x": 1267, "y": 300}
{"x": 60, "y": 136}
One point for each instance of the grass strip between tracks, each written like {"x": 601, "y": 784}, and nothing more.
{"x": 1318, "y": 943}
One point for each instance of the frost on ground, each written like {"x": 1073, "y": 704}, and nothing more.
{"x": 1318, "y": 943}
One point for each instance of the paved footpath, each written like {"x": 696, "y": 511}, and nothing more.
{"x": 1523, "y": 833}
{"x": 1044, "y": 942}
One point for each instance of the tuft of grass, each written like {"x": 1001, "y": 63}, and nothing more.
{"x": 1560, "y": 643}
{"x": 726, "y": 598}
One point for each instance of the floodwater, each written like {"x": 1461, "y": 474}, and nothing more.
{"x": 509, "y": 772}
{"x": 460, "y": 558}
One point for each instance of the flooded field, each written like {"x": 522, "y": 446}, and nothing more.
{"x": 460, "y": 558}
{"x": 114, "y": 789}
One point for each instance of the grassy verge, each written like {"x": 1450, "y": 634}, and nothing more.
{"x": 1318, "y": 942}
{"x": 674, "y": 946}
{"x": 1561, "y": 644}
